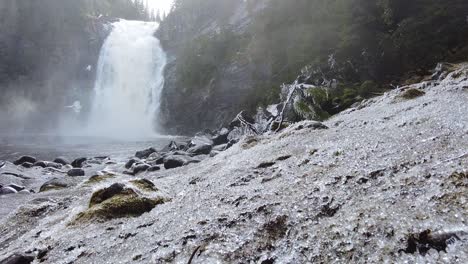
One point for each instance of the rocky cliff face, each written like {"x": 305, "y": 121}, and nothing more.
{"x": 188, "y": 109}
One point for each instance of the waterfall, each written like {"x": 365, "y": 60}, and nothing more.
{"x": 129, "y": 82}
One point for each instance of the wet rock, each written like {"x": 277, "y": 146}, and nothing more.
{"x": 140, "y": 168}
{"x": 61, "y": 160}
{"x": 47, "y": 164}
{"x": 221, "y": 137}
{"x": 174, "y": 161}
{"x": 144, "y": 184}
{"x": 18, "y": 259}
{"x": 426, "y": 240}
{"x": 130, "y": 163}
{"x": 172, "y": 146}
{"x": 200, "y": 150}
{"x": 76, "y": 172}
{"x": 154, "y": 168}
{"x": 16, "y": 187}
{"x": 99, "y": 178}
{"x": 41, "y": 164}
{"x": 27, "y": 165}
{"x": 315, "y": 125}
{"x": 143, "y": 154}
{"x": 7, "y": 190}
{"x": 78, "y": 163}
{"x": 265, "y": 165}
{"x": 24, "y": 159}
{"x": 155, "y": 159}
{"x": 117, "y": 201}
{"x": 53, "y": 184}
{"x": 2, "y": 163}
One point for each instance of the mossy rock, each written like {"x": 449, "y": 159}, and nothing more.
{"x": 145, "y": 185}
{"x": 117, "y": 201}
{"x": 52, "y": 185}
{"x": 120, "y": 206}
{"x": 412, "y": 93}
{"x": 99, "y": 178}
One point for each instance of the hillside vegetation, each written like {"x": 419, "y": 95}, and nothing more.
{"x": 353, "y": 41}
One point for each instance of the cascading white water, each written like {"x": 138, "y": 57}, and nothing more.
{"x": 129, "y": 82}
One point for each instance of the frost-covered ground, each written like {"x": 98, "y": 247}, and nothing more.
{"x": 353, "y": 193}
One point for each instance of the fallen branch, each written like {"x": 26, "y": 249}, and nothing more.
{"x": 193, "y": 255}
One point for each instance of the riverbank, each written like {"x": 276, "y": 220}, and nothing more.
{"x": 365, "y": 186}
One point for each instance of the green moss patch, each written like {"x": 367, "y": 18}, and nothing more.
{"x": 144, "y": 184}
{"x": 412, "y": 93}
{"x": 118, "y": 201}
{"x": 99, "y": 178}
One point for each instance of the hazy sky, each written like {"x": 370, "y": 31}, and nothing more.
{"x": 163, "y": 5}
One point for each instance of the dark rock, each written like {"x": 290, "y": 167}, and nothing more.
{"x": 78, "y": 163}
{"x": 53, "y": 184}
{"x": 47, "y": 164}
{"x": 61, "y": 160}
{"x": 231, "y": 143}
{"x": 426, "y": 240}
{"x": 140, "y": 168}
{"x": 16, "y": 187}
{"x": 221, "y": 137}
{"x": 236, "y": 122}
{"x": 24, "y": 159}
{"x": 265, "y": 165}
{"x": 18, "y": 259}
{"x": 284, "y": 157}
{"x": 41, "y": 164}
{"x": 200, "y": 150}
{"x": 174, "y": 161}
{"x": 27, "y": 165}
{"x": 143, "y": 154}
{"x": 154, "y": 168}
{"x": 315, "y": 125}
{"x": 155, "y": 159}
{"x": 75, "y": 172}
{"x": 172, "y": 146}
{"x": 7, "y": 190}
{"x": 130, "y": 163}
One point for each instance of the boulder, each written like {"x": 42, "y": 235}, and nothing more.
{"x": 172, "y": 146}
{"x": 76, "y": 172}
{"x": 221, "y": 137}
{"x": 140, "y": 168}
{"x": 143, "y": 154}
{"x": 47, "y": 164}
{"x": 7, "y": 190}
{"x": 61, "y": 160}
{"x": 16, "y": 187}
{"x": 78, "y": 163}
{"x": 118, "y": 201}
{"x": 155, "y": 159}
{"x": 27, "y": 165}
{"x": 154, "y": 168}
{"x": 18, "y": 259}
{"x": 24, "y": 159}
{"x": 130, "y": 163}
{"x": 201, "y": 140}
{"x": 174, "y": 161}
{"x": 53, "y": 184}
{"x": 200, "y": 150}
